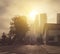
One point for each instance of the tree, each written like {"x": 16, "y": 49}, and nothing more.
{"x": 19, "y": 28}
{"x": 4, "y": 38}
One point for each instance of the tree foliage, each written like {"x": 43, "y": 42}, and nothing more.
{"x": 19, "y": 27}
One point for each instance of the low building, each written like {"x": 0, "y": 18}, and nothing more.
{"x": 51, "y": 33}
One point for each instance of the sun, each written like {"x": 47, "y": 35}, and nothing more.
{"x": 32, "y": 15}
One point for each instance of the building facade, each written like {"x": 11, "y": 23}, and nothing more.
{"x": 52, "y": 33}
{"x": 43, "y": 21}
{"x": 58, "y": 18}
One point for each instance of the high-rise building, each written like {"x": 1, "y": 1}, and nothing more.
{"x": 58, "y": 18}
{"x": 37, "y": 24}
{"x": 43, "y": 21}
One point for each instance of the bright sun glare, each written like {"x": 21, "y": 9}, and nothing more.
{"x": 32, "y": 15}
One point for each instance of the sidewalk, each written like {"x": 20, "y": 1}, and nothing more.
{"x": 52, "y": 49}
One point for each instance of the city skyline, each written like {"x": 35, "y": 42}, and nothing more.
{"x": 8, "y": 9}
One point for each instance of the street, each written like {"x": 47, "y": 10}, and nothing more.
{"x": 30, "y": 49}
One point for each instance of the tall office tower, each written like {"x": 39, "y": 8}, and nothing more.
{"x": 37, "y": 23}
{"x": 43, "y": 21}
{"x": 58, "y": 18}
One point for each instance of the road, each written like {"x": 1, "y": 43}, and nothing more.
{"x": 30, "y": 49}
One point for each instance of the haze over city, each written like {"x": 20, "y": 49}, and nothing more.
{"x": 29, "y": 26}
{"x": 11, "y": 8}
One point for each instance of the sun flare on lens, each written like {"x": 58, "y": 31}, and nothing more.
{"x": 32, "y": 15}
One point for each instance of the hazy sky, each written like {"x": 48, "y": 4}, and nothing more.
{"x": 10, "y": 8}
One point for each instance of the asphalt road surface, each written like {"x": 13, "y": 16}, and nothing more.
{"x": 30, "y": 49}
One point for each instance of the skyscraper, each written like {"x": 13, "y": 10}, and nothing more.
{"x": 58, "y": 18}
{"x": 37, "y": 24}
{"x": 43, "y": 21}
